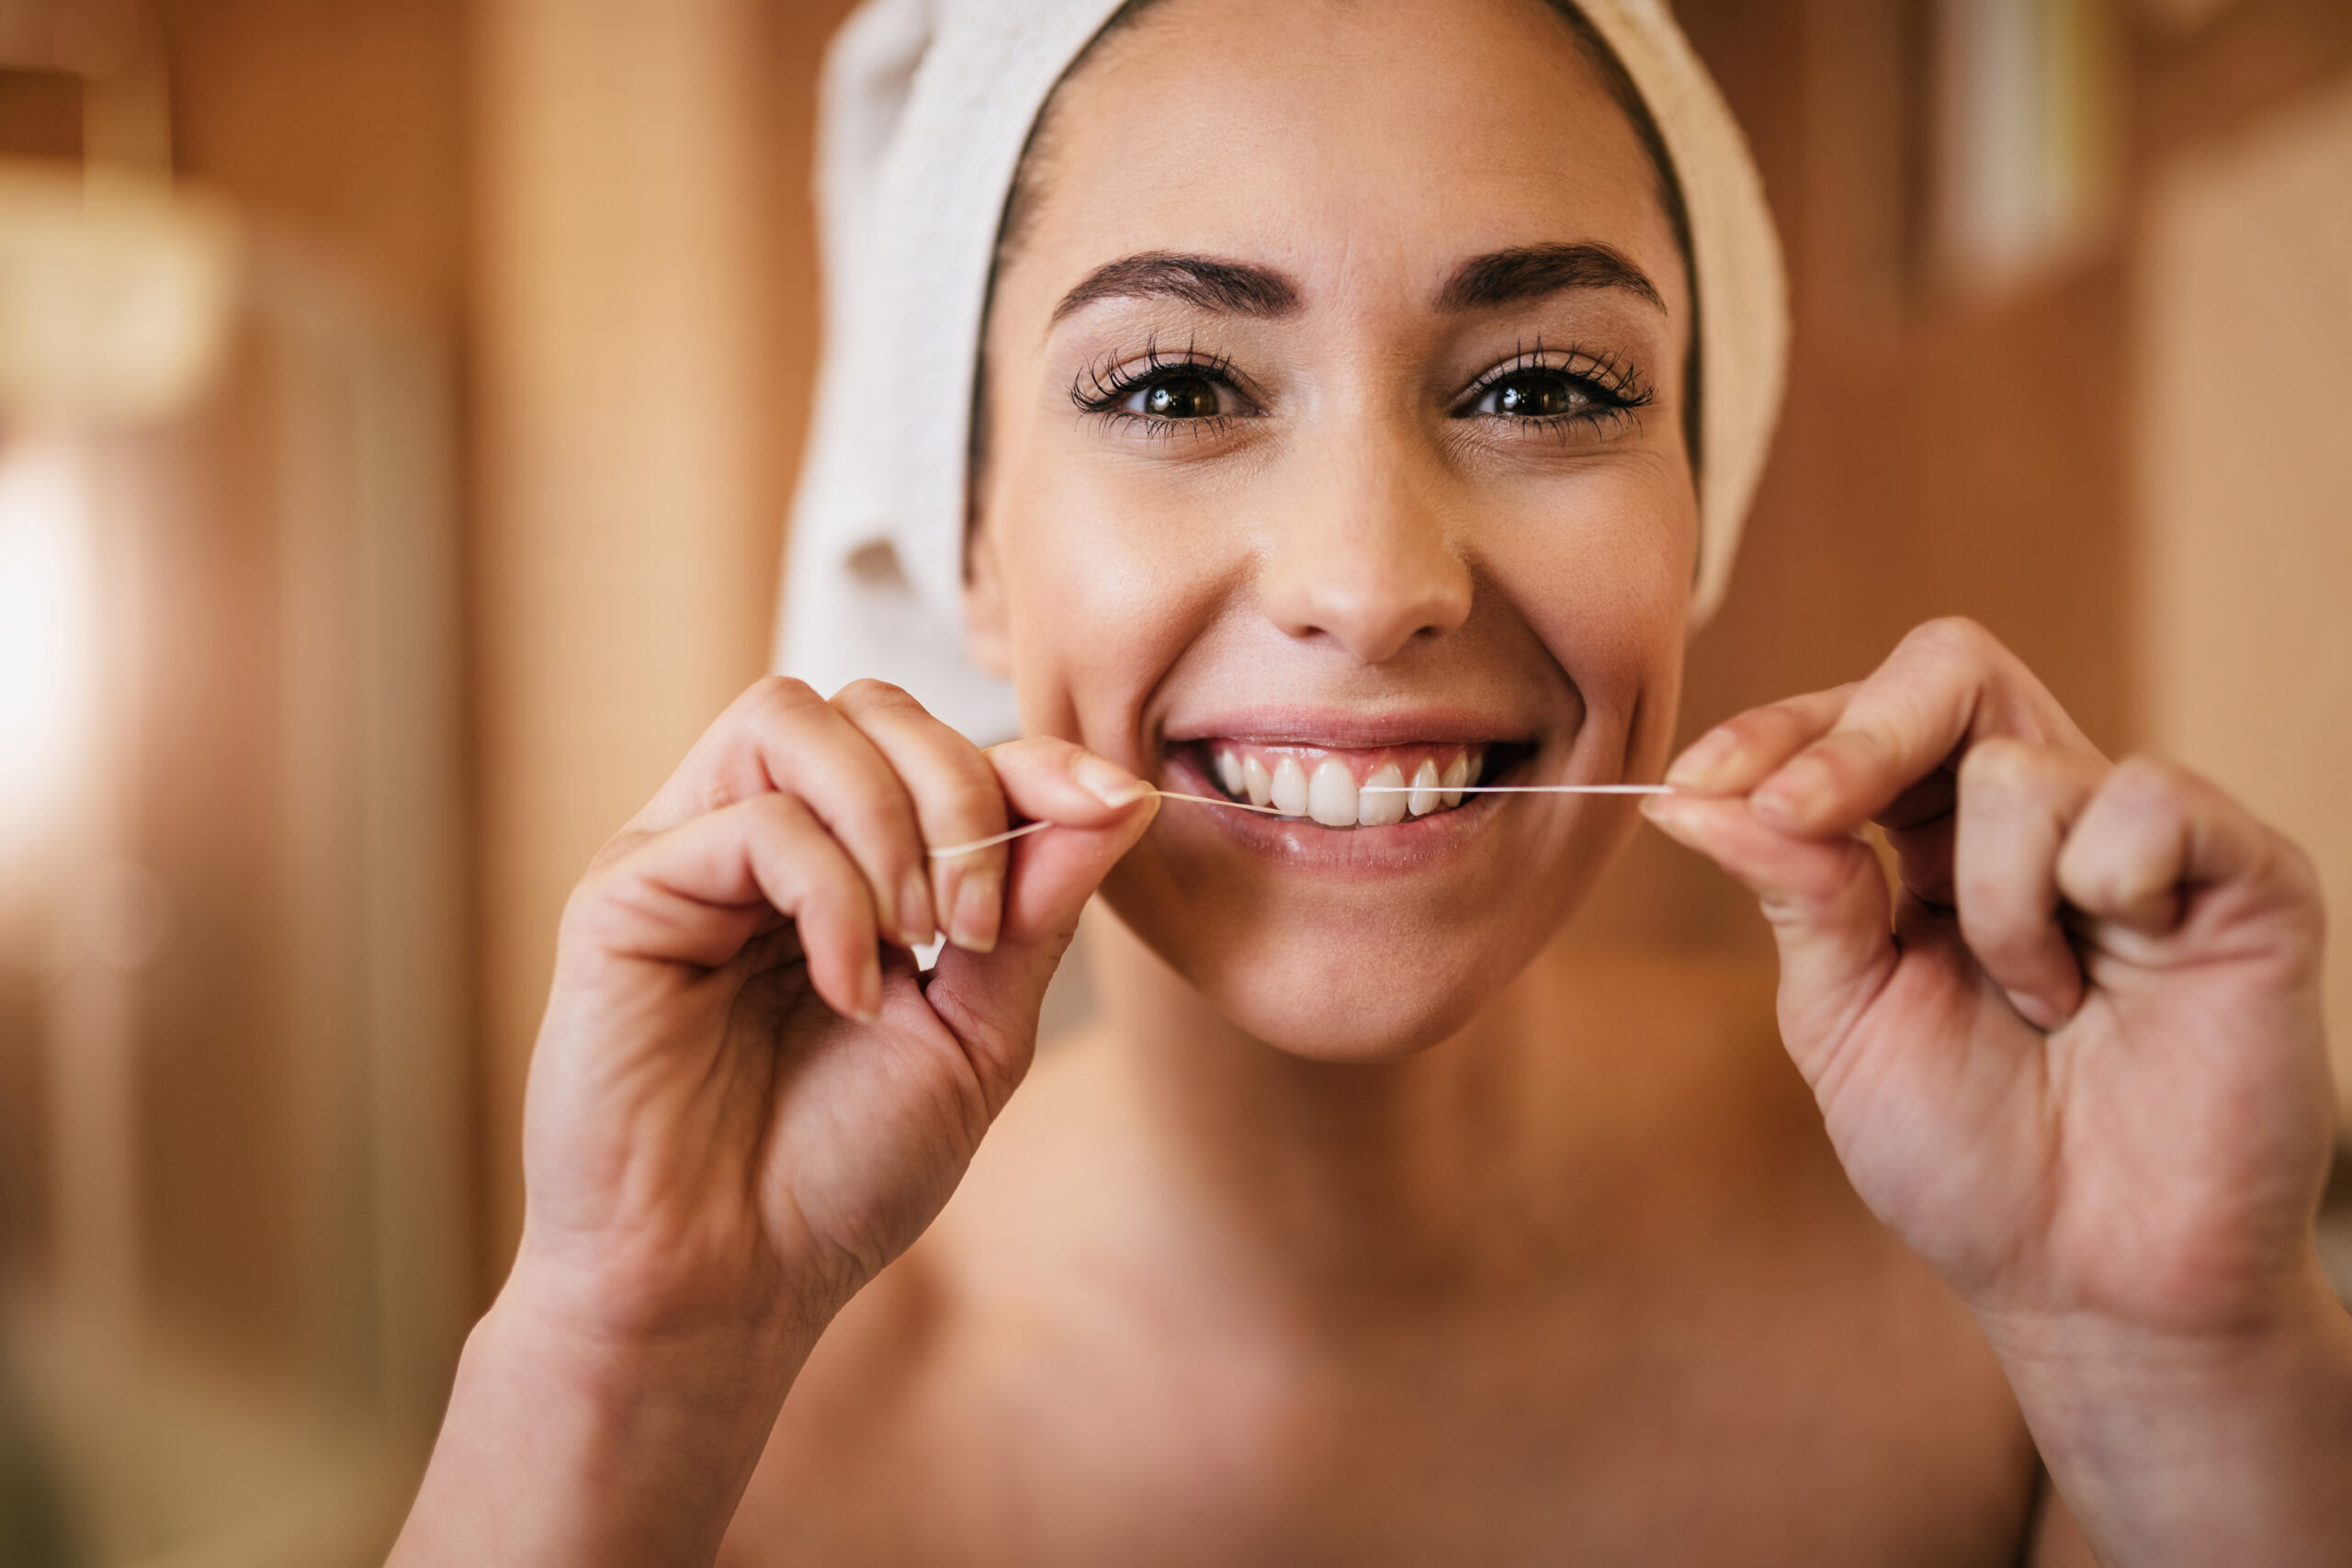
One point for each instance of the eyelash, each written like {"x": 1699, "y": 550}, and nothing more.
{"x": 1105, "y": 386}
{"x": 1612, "y": 385}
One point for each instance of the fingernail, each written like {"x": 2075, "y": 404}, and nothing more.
{"x": 974, "y": 926}
{"x": 1698, "y": 763}
{"x": 869, "y": 995}
{"x": 914, "y": 899}
{"x": 1107, "y": 782}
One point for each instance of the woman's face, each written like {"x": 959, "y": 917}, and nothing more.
{"x": 1334, "y": 405}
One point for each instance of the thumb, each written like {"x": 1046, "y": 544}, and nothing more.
{"x": 1099, "y": 810}
{"x": 1826, "y": 900}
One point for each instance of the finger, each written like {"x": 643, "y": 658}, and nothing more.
{"x": 1099, "y": 810}
{"x": 781, "y": 736}
{"x": 2016, "y": 802}
{"x": 956, "y": 800}
{"x": 2154, "y": 835}
{"x": 1826, "y": 901}
{"x": 696, "y": 894}
{"x": 1949, "y": 684}
{"x": 1739, "y": 753}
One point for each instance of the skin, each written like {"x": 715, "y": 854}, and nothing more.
{"x": 1368, "y": 1226}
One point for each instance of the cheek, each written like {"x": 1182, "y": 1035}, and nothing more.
{"x": 1598, "y": 569}
{"x": 1105, "y": 591}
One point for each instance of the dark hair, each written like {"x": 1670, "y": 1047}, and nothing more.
{"x": 1020, "y": 205}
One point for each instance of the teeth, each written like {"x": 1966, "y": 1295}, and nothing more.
{"x": 1330, "y": 795}
{"x": 1289, "y": 791}
{"x": 1425, "y": 798}
{"x": 1457, "y": 773}
{"x": 1384, "y": 797}
{"x": 1331, "y": 798}
{"x": 1228, "y": 773}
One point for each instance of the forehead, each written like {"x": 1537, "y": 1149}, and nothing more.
{"x": 1340, "y": 139}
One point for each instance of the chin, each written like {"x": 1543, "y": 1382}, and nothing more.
{"x": 1354, "y": 992}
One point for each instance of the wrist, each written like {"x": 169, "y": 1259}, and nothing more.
{"x": 568, "y": 1443}
{"x": 2086, "y": 1351}
{"x": 2222, "y": 1444}
{"x": 617, "y": 1343}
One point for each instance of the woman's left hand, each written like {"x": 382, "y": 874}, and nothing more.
{"x": 2078, "y": 1067}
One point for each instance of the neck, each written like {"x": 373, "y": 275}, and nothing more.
{"x": 1538, "y": 1133}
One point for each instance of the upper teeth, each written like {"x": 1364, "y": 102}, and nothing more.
{"x": 1229, "y": 775}
{"x": 1332, "y": 797}
{"x": 1256, "y": 781}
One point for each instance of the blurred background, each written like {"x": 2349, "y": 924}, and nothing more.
{"x": 399, "y": 400}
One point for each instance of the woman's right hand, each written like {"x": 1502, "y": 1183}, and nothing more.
{"x": 742, "y": 1104}
{"x": 744, "y": 1100}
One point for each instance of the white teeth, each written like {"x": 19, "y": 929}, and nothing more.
{"x": 1228, "y": 773}
{"x": 1457, "y": 773}
{"x": 1384, "y": 797}
{"x": 1425, "y": 798}
{"x": 1256, "y": 781}
{"x": 1289, "y": 792}
{"x": 1331, "y": 798}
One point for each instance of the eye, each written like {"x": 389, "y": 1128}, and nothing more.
{"x": 1535, "y": 394}
{"x": 1164, "y": 393}
{"x": 1566, "y": 392}
{"x": 1176, "y": 397}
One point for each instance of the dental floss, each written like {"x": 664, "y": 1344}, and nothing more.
{"x": 949, "y": 850}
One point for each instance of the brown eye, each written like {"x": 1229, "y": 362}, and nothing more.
{"x": 1536, "y": 395}
{"x": 1180, "y": 396}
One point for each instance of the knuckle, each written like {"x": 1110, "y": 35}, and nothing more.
{"x": 2300, "y": 872}
{"x": 596, "y": 909}
{"x": 773, "y": 695}
{"x": 1999, "y": 767}
{"x": 972, "y": 801}
{"x": 1775, "y": 723}
{"x": 1953, "y": 636}
{"x": 2145, "y": 781}
{"x": 774, "y": 702}
{"x": 870, "y": 695}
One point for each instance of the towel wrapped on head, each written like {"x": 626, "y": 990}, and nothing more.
{"x": 927, "y": 105}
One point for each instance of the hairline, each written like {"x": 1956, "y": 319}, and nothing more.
{"x": 1020, "y": 203}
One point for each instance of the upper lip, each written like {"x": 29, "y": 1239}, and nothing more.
{"x": 1341, "y": 730}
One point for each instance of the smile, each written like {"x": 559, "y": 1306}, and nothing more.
{"x": 1373, "y": 787}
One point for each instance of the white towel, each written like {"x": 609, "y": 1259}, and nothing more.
{"x": 925, "y": 106}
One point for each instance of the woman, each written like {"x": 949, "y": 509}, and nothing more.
{"x": 1338, "y": 423}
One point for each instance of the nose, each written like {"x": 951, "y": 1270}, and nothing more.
{"x": 1363, "y": 558}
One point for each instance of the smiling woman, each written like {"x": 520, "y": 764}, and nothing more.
{"x": 1306, "y": 416}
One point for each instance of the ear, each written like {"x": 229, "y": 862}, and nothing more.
{"x": 988, "y": 642}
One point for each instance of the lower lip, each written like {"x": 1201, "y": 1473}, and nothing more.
{"x": 1300, "y": 841}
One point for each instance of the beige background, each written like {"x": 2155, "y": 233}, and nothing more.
{"x": 2244, "y": 427}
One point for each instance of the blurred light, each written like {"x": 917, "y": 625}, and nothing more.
{"x": 2029, "y": 133}
{"x": 47, "y": 636}
{"x": 115, "y": 294}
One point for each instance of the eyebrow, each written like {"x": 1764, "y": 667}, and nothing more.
{"x": 1236, "y": 288}
{"x": 1530, "y": 272}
